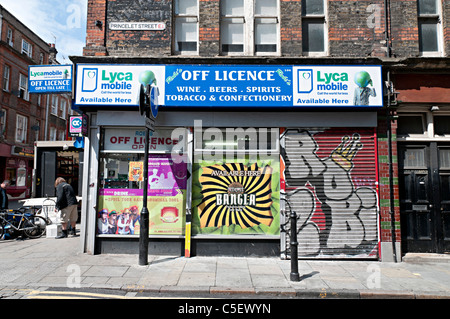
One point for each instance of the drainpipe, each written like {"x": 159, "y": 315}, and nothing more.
{"x": 391, "y": 170}
{"x": 389, "y": 130}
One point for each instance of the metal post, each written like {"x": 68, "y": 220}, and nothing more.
{"x": 144, "y": 222}
{"x": 294, "y": 248}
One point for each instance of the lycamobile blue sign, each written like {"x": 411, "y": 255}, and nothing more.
{"x": 190, "y": 86}
{"x": 50, "y": 78}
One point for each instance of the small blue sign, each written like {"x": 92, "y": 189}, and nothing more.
{"x": 50, "y": 79}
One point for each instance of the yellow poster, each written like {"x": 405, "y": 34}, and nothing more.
{"x": 136, "y": 172}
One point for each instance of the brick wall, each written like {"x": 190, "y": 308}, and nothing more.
{"x": 209, "y": 31}
{"x": 355, "y": 28}
{"x": 139, "y": 43}
{"x": 404, "y": 28}
{"x": 383, "y": 173}
{"x": 95, "y": 34}
{"x": 290, "y": 27}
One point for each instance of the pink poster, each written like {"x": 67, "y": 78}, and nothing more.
{"x": 165, "y": 177}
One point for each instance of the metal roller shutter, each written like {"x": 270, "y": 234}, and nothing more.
{"x": 330, "y": 178}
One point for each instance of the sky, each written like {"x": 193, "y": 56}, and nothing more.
{"x": 62, "y": 22}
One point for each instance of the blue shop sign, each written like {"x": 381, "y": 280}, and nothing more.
{"x": 211, "y": 86}
{"x": 50, "y": 79}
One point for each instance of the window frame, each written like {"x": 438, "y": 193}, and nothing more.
{"x": 10, "y": 37}
{"x": 27, "y": 48}
{"x": 23, "y": 88}
{"x": 24, "y": 129}
{"x": 54, "y": 105}
{"x": 178, "y": 17}
{"x": 308, "y": 17}
{"x": 437, "y": 18}
{"x": 6, "y": 79}
{"x": 249, "y": 20}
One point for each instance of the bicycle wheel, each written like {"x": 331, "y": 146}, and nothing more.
{"x": 2, "y": 229}
{"x": 35, "y": 227}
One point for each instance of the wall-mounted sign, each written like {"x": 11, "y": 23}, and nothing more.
{"x": 271, "y": 86}
{"x": 144, "y": 26}
{"x": 50, "y": 78}
{"x": 78, "y": 125}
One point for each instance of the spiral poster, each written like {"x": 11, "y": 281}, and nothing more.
{"x": 238, "y": 198}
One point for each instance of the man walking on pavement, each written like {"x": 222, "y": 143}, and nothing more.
{"x": 66, "y": 201}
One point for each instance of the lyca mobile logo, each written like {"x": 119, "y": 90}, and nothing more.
{"x": 305, "y": 80}
{"x": 116, "y": 80}
{"x": 47, "y": 73}
{"x": 89, "y": 83}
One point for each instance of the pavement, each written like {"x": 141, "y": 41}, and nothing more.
{"x": 47, "y": 264}
{"x": 33, "y": 267}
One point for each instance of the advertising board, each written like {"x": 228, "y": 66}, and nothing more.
{"x": 270, "y": 86}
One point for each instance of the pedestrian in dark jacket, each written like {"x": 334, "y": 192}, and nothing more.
{"x": 3, "y": 195}
{"x": 66, "y": 201}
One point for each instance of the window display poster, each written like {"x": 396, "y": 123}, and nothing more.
{"x": 136, "y": 172}
{"x": 236, "y": 198}
{"x": 119, "y": 209}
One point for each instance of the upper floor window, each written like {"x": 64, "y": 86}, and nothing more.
{"x": 54, "y": 109}
{"x": 9, "y": 37}
{"x": 314, "y": 33}
{"x": 23, "y": 87}
{"x": 21, "y": 128}
{"x": 249, "y": 27}
{"x": 63, "y": 108}
{"x": 6, "y": 76}
{"x": 27, "y": 48}
{"x": 186, "y": 26}
{"x": 430, "y": 28}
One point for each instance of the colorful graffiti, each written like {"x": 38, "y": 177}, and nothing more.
{"x": 330, "y": 181}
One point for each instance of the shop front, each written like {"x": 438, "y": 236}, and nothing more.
{"x": 17, "y": 165}
{"x": 234, "y": 147}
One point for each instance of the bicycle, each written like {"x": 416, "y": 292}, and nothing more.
{"x": 30, "y": 225}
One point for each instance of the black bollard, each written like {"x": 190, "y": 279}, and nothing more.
{"x": 294, "y": 248}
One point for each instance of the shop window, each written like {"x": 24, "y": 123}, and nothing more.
{"x": 236, "y": 181}
{"x": 11, "y": 176}
{"x": 114, "y": 169}
{"x": 121, "y": 176}
{"x": 3, "y": 117}
{"x": 407, "y": 125}
{"x": 249, "y": 27}
{"x": 186, "y": 26}
{"x": 430, "y": 32}
{"x": 442, "y": 125}
{"x": 313, "y": 27}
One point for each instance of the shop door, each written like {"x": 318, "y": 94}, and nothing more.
{"x": 424, "y": 176}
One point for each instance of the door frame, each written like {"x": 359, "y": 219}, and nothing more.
{"x": 437, "y": 241}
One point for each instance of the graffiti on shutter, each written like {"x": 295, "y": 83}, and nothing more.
{"x": 330, "y": 179}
